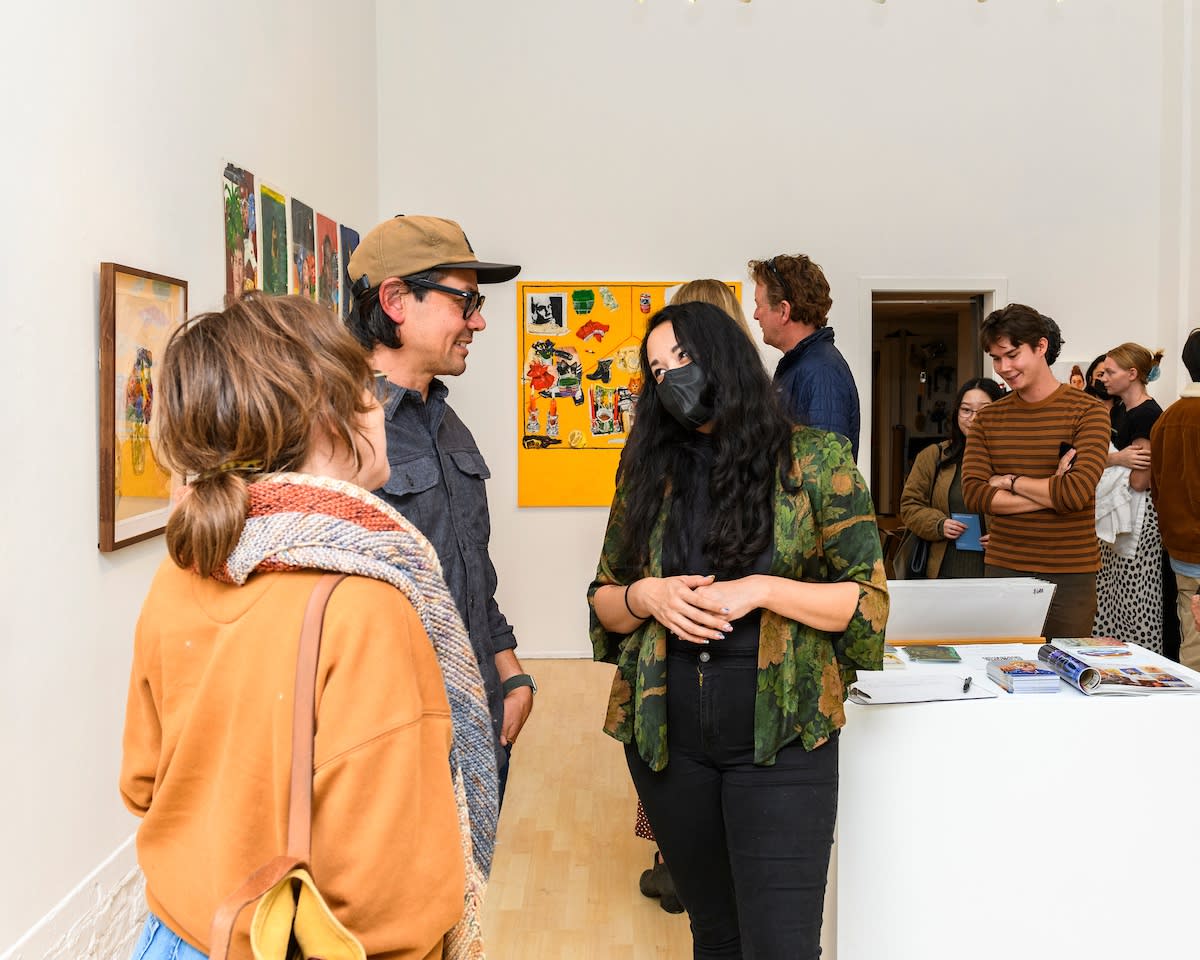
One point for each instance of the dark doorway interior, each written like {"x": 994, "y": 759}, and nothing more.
{"x": 923, "y": 345}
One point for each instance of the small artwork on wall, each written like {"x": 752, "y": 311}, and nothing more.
{"x": 349, "y": 238}
{"x": 304, "y": 260}
{"x": 138, "y": 312}
{"x": 1071, "y": 371}
{"x": 274, "y": 242}
{"x": 241, "y": 232}
{"x": 328, "y": 271}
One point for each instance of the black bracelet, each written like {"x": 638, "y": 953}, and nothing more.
{"x": 628, "y": 607}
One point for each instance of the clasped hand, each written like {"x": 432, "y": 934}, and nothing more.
{"x": 698, "y": 609}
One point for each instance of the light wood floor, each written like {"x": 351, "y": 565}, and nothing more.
{"x": 565, "y": 880}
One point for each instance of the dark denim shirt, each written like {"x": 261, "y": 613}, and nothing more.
{"x": 816, "y": 386}
{"x": 437, "y": 483}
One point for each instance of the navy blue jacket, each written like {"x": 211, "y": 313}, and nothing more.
{"x": 817, "y": 388}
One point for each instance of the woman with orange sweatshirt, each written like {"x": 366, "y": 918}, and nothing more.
{"x": 269, "y": 414}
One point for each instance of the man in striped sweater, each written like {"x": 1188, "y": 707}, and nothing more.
{"x": 1032, "y": 463}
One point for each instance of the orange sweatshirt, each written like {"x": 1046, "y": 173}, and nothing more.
{"x": 207, "y": 756}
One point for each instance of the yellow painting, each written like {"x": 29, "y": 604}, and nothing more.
{"x": 139, "y": 312}
{"x": 577, "y": 351}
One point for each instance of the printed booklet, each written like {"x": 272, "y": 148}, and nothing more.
{"x": 932, "y": 654}
{"x": 1094, "y": 647}
{"x": 1129, "y": 679}
{"x": 1018, "y": 675}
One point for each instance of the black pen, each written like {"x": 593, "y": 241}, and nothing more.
{"x": 966, "y": 684}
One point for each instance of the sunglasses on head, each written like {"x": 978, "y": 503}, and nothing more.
{"x": 779, "y": 279}
{"x": 472, "y": 299}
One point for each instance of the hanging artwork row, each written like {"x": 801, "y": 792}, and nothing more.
{"x": 579, "y": 378}
{"x": 265, "y": 249}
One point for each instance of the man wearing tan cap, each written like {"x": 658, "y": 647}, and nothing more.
{"x": 417, "y": 308}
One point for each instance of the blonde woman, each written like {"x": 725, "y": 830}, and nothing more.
{"x": 269, "y": 412}
{"x": 1129, "y": 585}
{"x": 714, "y": 292}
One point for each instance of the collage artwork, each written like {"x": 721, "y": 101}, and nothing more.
{"x": 578, "y": 347}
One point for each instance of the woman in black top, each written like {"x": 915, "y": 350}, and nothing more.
{"x": 1129, "y": 585}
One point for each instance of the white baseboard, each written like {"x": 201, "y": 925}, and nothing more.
{"x": 99, "y": 920}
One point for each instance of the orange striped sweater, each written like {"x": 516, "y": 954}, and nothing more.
{"x": 1011, "y": 436}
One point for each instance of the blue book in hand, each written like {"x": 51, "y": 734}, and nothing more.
{"x": 969, "y": 538}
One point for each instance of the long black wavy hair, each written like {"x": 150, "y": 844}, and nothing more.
{"x": 751, "y": 443}
{"x": 958, "y": 439}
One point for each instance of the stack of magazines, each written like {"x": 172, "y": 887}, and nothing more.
{"x": 1099, "y": 666}
{"x": 1018, "y": 675}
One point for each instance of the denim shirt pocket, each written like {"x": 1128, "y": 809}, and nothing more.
{"x": 469, "y": 495}
{"x": 407, "y": 481}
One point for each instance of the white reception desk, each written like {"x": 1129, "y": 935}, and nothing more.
{"x": 1053, "y": 826}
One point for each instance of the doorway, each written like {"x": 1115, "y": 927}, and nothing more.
{"x": 924, "y": 343}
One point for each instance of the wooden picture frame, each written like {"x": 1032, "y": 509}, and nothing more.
{"x": 138, "y": 312}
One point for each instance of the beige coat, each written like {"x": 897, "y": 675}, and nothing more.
{"x": 925, "y": 505}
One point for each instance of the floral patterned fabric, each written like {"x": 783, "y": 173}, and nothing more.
{"x": 824, "y": 533}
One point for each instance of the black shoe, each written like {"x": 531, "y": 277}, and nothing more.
{"x": 670, "y": 903}
{"x": 648, "y": 883}
{"x": 657, "y": 882}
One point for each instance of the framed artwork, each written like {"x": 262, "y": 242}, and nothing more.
{"x": 241, "y": 232}
{"x": 304, "y": 259}
{"x": 349, "y": 243}
{"x": 274, "y": 269}
{"x": 328, "y": 272}
{"x": 578, "y": 383}
{"x": 138, "y": 312}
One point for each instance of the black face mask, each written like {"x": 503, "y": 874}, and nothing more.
{"x": 1097, "y": 389}
{"x": 681, "y": 391}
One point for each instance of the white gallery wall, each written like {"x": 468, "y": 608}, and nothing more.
{"x": 1047, "y": 144}
{"x": 1037, "y": 142}
{"x": 118, "y": 120}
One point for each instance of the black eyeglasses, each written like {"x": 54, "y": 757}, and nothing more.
{"x": 472, "y": 299}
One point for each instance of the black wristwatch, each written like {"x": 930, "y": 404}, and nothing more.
{"x": 518, "y": 680}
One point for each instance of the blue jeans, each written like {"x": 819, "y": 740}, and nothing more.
{"x": 747, "y": 846}
{"x": 157, "y": 942}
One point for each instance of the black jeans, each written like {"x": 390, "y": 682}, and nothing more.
{"x": 747, "y": 846}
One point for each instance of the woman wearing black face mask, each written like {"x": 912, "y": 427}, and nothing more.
{"x": 740, "y": 586}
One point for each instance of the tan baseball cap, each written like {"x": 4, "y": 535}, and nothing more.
{"x": 404, "y": 245}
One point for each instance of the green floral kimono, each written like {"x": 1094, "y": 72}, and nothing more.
{"x": 824, "y": 533}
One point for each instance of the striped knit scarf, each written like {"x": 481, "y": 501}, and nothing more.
{"x": 298, "y": 521}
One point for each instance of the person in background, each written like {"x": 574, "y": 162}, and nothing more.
{"x": 791, "y": 304}
{"x": 1175, "y": 486}
{"x": 1129, "y": 603}
{"x": 715, "y": 292}
{"x": 417, "y": 308}
{"x": 933, "y": 490}
{"x": 268, "y": 412}
{"x": 739, "y": 588}
{"x": 1032, "y": 463}
{"x": 1095, "y": 388}
{"x": 1076, "y": 378}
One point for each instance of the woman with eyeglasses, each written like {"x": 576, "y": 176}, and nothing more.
{"x": 269, "y": 416}
{"x": 933, "y": 492}
{"x": 739, "y": 588}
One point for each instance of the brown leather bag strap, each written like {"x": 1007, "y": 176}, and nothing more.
{"x": 257, "y": 884}
{"x": 300, "y": 798}
{"x": 299, "y": 845}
